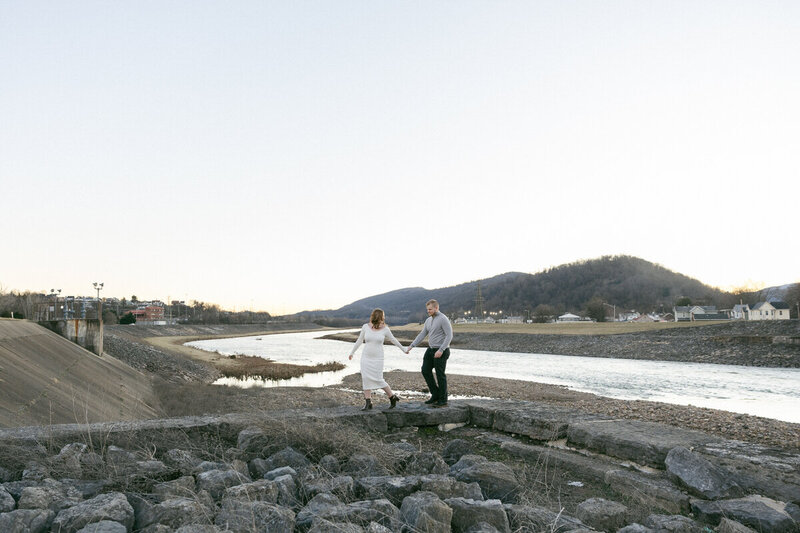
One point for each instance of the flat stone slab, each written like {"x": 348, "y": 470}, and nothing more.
{"x": 419, "y": 414}
{"x": 540, "y": 422}
{"x": 645, "y": 443}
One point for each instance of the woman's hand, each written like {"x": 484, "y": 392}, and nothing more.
{"x": 351, "y": 357}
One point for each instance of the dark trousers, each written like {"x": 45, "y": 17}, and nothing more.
{"x": 438, "y": 386}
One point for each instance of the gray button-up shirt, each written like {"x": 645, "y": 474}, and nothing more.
{"x": 439, "y": 332}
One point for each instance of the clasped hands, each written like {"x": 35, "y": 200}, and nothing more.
{"x": 437, "y": 355}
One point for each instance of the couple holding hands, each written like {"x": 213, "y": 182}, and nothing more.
{"x": 373, "y": 334}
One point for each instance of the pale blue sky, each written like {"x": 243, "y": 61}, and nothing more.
{"x": 298, "y": 155}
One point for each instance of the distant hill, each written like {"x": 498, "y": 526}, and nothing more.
{"x": 624, "y": 281}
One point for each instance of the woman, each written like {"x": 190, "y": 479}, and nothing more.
{"x": 372, "y": 335}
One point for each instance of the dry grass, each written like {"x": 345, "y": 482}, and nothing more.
{"x": 249, "y": 366}
{"x": 192, "y": 399}
{"x": 567, "y": 328}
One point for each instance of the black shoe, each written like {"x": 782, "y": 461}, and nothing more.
{"x": 442, "y": 403}
{"x": 393, "y": 401}
{"x": 430, "y": 400}
{"x": 367, "y": 405}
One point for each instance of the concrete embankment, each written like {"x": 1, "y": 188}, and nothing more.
{"x": 47, "y": 379}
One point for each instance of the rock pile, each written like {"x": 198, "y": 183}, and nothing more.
{"x": 702, "y": 482}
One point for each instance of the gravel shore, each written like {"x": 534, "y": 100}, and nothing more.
{"x": 766, "y": 431}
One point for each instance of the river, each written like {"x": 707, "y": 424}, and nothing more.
{"x": 768, "y": 392}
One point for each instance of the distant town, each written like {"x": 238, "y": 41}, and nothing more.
{"x": 774, "y": 310}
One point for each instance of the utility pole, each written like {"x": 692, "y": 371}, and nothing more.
{"x": 614, "y": 311}
{"x": 99, "y": 287}
{"x": 479, "y": 303}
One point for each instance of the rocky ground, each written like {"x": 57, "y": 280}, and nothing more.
{"x": 177, "y": 367}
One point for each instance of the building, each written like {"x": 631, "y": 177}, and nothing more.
{"x": 769, "y": 311}
{"x": 686, "y": 313}
{"x": 740, "y": 312}
{"x": 150, "y": 313}
{"x": 569, "y": 317}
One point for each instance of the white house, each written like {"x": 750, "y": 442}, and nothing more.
{"x": 569, "y": 317}
{"x": 740, "y": 312}
{"x": 769, "y": 311}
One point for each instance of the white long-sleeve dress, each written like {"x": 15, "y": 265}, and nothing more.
{"x": 372, "y": 355}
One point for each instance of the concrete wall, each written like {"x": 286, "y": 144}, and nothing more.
{"x": 84, "y": 332}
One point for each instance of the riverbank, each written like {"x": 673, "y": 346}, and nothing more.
{"x": 161, "y": 350}
{"x": 192, "y": 368}
{"x": 773, "y": 344}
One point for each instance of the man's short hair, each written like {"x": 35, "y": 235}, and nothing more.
{"x": 432, "y": 302}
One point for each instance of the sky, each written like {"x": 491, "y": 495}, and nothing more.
{"x": 284, "y": 156}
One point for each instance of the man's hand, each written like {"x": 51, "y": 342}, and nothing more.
{"x": 438, "y": 354}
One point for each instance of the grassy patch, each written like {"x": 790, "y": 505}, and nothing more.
{"x": 248, "y": 366}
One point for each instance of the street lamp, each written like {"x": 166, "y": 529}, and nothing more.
{"x": 99, "y": 287}
{"x": 54, "y": 294}
{"x": 613, "y": 310}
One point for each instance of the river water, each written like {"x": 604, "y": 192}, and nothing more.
{"x": 768, "y": 392}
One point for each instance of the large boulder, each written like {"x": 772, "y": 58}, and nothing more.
{"x": 454, "y": 449}
{"x": 240, "y": 516}
{"x": 319, "y": 505}
{"x": 448, "y": 487}
{"x": 364, "y": 512}
{"x": 497, "y": 480}
{"x": 183, "y": 461}
{"x": 112, "y": 506}
{"x": 104, "y": 526}
{"x": 198, "y": 528}
{"x": 288, "y": 493}
{"x": 757, "y": 512}
{"x": 469, "y": 512}
{"x": 672, "y": 524}
{"x": 424, "y": 511}
{"x": 287, "y": 457}
{"x": 341, "y": 486}
{"x": 652, "y": 491}
{"x": 7, "y": 502}
{"x": 183, "y": 487}
{"x": 701, "y": 477}
{"x": 532, "y": 518}
{"x": 68, "y": 460}
{"x": 361, "y": 465}
{"x": 393, "y": 488}
{"x": 727, "y": 525}
{"x": 330, "y": 464}
{"x": 601, "y": 514}
{"x": 320, "y": 525}
{"x": 216, "y": 481}
{"x": 27, "y": 521}
{"x": 174, "y": 513}
{"x": 422, "y": 463}
{"x": 252, "y": 439}
{"x": 49, "y": 494}
{"x": 262, "y": 490}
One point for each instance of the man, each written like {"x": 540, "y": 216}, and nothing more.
{"x": 439, "y": 331}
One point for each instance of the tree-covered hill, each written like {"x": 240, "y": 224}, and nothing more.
{"x": 622, "y": 281}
